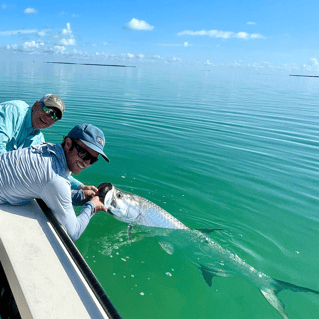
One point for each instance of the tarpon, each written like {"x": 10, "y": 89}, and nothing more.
{"x": 209, "y": 256}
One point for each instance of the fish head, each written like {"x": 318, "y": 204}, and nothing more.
{"x": 120, "y": 204}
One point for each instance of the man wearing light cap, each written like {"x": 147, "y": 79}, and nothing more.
{"x": 20, "y": 126}
{"x": 41, "y": 171}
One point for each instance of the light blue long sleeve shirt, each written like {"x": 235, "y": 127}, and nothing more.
{"x": 41, "y": 171}
{"x": 16, "y": 130}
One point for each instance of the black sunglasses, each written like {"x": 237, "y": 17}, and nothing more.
{"x": 84, "y": 154}
{"x": 50, "y": 112}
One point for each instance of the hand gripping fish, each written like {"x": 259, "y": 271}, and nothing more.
{"x": 210, "y": 257}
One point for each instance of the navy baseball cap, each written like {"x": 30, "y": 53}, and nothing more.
{"x": 91, "y": 136}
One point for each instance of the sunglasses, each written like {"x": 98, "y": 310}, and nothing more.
{"x": 84, "y": 154}
{"x": 50, "y": 112}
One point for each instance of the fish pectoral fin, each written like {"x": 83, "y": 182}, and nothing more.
{"x": 208, "y": 274}
{"x": 272, "y": 298}
{"x": 167, "y": 247}
{"x": 208, "y": 230}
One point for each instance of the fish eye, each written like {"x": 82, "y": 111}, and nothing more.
{"x": 119, "y": 195}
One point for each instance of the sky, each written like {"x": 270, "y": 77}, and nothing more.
{"x": 279, "y": 35}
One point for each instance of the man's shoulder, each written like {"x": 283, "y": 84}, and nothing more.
{"x": 15, "y": 103}
{"x": 15, "y": 108}
{"x": 59, "y": 163}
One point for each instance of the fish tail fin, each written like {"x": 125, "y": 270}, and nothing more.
{"x": 271, "y": 294}
{"x": 282, "y": 285}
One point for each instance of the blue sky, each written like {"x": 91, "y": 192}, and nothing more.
{"x": 256, "y": 34}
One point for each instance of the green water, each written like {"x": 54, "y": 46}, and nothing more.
{"x": 231, "y": 150}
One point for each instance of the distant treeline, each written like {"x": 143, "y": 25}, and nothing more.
{"x": 305, "y": 76}
{"x": 96, "y": 64}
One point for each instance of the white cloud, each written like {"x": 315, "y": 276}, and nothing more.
{"x": 67, "y": 31}
{"x": 6, "y": 6}
{"x": 68, "y": 36}
{"x": 140, "y": 56}
{"x": 18, "y": 32}
{"x": 314, "y": 62}
{"x": 30, "y": 47}
{"x": 26, "y": 46}
{"x": 256, "y": 36}
{"x": 185, "y": 44}
{"x": 251, "y": 23}
{"x": 30, "y": 11}
{"x": 58, "y": 49}
{"x": 174, "y": 59}
{"x": 157, "y": 57}
{"x": 139, "y": 25}
{"x": 40, "y": 33}
{"x": 221, "y": 34}
{"x": 12, "y": 47}
{"x": 67, "y": 42}
{"x": 312, "y": 66}
{"x": 170, "y": 44}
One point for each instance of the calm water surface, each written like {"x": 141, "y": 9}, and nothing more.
{"x": 236, "y": 151}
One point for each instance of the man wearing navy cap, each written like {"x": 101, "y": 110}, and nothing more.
{"x": 41, "y": 171}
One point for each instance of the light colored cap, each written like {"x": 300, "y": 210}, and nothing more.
{"x": 51, "y": 100}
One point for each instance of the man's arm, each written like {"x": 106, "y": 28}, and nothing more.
{"x": 78, "y": 197}
{"x": 75, "y": 184}
{"x": 8, "y": 121}
{"x": 4, "y": 139}
{"x": 80, "y": 192}
{"x": 57, "y": 195}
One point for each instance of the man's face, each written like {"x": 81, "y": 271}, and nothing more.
{"x": 40, "y": 119}
{"x": 75, "y": 163}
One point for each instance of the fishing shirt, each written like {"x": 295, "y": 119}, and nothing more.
{"x": 16, "y": 130}
{"x": 41, "y": 171}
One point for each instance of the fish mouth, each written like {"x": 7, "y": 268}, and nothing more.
{"x": 105, "y": 195}
{"x": 104, "y": 188}
{"x": 108, "y": 211}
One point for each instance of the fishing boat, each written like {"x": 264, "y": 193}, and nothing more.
{"x": 42, "y": 274}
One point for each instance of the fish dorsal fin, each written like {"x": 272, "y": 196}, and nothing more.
{"x": 273, "y": 299}
{"x": 208, "y": 274}
{"x": 208, "y": 230}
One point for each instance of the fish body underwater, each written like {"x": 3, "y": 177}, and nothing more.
{"x": 209, "y": 256}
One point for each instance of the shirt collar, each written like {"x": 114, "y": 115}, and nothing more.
{"x": 58, "y": 151}
{"x": 28, "y": 120}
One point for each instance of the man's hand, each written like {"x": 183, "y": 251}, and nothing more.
{"x": 98, "y": 204}
{"x": 89, "y": 191}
